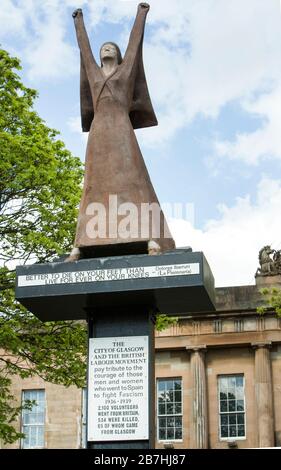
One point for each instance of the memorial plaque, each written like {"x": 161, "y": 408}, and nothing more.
{"x": 118, "y": 389}
{"x": 100, "y": 275}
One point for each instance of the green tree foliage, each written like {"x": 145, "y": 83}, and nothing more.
{"x": 40, "y": 188}
{"x": 165, "y": 321}
{"x": 273, "y": 299}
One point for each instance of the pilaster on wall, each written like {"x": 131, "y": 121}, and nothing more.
{"x": 199, "y": 409}
{"x": 264, "y": 394}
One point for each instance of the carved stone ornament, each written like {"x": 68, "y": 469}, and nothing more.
{"x": 270, "y": 262}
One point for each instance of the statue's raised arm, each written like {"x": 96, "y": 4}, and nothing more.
{"x": 141, "y": 109}
{"x": 83, "y": 41}
{"x": 88, "y": 70}
{"x": 136, "y": 36}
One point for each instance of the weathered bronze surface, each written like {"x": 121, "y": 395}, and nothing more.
{"x": 114, "y": 101}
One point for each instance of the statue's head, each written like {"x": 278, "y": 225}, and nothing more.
{"x": 110, "y": 50}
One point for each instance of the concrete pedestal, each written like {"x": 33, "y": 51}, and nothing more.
{"x": 119, "y": 297}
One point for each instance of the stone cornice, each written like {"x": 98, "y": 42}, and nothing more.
{"x": 262, "y": 344}
{"x": 243, "y": 339}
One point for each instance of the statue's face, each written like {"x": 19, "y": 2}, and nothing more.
{"x": 108, "y": 51}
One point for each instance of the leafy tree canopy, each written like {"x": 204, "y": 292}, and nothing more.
{"x": 40, "y": 188}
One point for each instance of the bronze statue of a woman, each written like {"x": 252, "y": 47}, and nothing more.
{"x": 114, "y": 102}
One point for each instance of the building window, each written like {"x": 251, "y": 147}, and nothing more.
{"x": 232, "y": 407}
{"x": 169, "y": 409}
{"x": 33, "y": 420}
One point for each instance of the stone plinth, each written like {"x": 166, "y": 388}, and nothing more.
{"x": 268, "y": 281}
{"x": 174, "y": 282}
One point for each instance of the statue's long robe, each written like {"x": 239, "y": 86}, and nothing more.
{"x": 111, "y": 107}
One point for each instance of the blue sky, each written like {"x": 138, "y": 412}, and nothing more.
{"x": 214, "y": 75}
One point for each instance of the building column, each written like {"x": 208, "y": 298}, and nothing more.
{"x": 199, "y": 408}
{"x": 264, "y": 394}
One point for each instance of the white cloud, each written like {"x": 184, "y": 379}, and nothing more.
{"x": 199, "y": 56}
{"x": 50, "y": 56}
{"x": 74, "y": 124}
{"x": 232, "y": 242}
{"x": 204, "y": 54}
{"x": 263, "y": 143}
{"x": 12, "y": 18}
{"x": 42, "y": 29}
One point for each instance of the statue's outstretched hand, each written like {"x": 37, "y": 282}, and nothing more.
{"x": 144, "y": 6}
{"x": 77, "y": 12}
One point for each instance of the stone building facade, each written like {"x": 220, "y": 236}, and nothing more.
{"x": 218, "y": 383}
{"x": 209, "y": 350}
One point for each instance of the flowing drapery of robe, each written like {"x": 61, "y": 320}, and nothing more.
{"x": 115, "y": 172}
